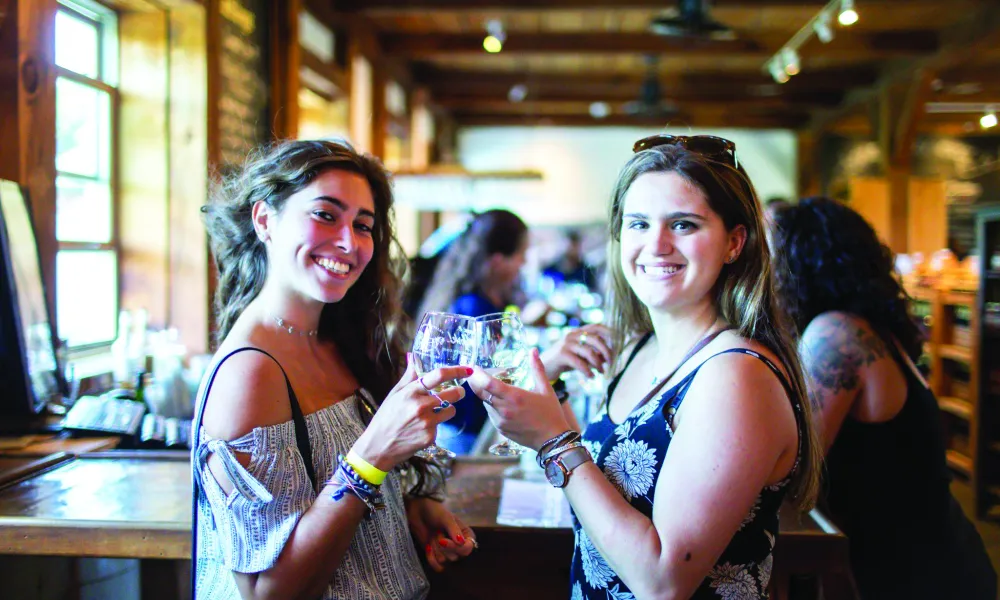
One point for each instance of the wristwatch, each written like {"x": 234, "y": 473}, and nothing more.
{"x": 558, "y": 469}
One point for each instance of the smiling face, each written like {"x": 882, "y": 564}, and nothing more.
{"x": 673, "y": 245}
{"x": 320, "y": 241}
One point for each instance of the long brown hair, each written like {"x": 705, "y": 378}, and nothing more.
{"x": 744, "y": 293}
{"x": 367, "y": 324}
{"x": 464, "y": 268}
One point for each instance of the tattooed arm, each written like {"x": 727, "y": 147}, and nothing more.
{"x": 837, "y": 351}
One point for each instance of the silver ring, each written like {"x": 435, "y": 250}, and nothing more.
{"x": 583, "y": 338}
{"x": 429, "y": 391}
{"x": 489, "y": 400}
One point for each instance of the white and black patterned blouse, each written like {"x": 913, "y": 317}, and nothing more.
{"x": 631, "y": 455}
{"x": 246, "y": 530}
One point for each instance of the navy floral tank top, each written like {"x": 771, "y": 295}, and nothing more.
{"x": 631, "y": 454}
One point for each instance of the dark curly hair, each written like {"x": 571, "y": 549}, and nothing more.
{"x": 369, "y": 317}
{"x": 828, "y": 258}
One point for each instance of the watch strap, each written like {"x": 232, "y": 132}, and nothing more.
{"x": 570, "y": 459}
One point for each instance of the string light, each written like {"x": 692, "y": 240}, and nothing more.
{"x": 848, "y": 16}
{"x": 496, "y": 36}
{"x": 989, "y": 120}
{"x": 787, "y": 62}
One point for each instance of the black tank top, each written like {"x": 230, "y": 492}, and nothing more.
{"x": 887, "y": 487}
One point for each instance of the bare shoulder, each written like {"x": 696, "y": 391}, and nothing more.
{"x": 249, "y": 391}
{"x": 836, "y": 347}
{"x": 734, "y": 377}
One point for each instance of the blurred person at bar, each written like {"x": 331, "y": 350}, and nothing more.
{"x": 571, "y": 267}
{"x": 887, "y": 482}
{"x": 299, "y": 461}
{"x": 478, "y": 275}
{"x": 676, "y": 483}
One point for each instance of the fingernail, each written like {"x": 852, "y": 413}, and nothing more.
{"x": 469, "y": 370}
{"x": 437, "y": 409}
{"x": 429, "y": 548}
{"x": 442, "y": 542}
{"x": 445, "y": 404}
{"x": 460, "y": 539}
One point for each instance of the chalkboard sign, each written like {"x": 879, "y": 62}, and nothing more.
{"x": 244, "y": 120}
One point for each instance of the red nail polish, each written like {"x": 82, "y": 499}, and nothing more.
{"x": 428, "y": 548}
{"x": 442, "y": 543}
{"x": 459, "y": 539}
{"x": 469, "y": 370}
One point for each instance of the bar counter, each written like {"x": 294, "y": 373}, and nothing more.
{"x": 130, "y": 504}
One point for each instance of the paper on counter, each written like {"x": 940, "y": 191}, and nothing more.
{"x": 533, "y": 504}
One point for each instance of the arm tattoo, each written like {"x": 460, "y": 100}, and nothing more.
{"x": 835, "y": 352}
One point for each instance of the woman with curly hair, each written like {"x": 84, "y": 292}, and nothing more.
{"x": 303, "y": 438}
{"x": 887, "y": 480}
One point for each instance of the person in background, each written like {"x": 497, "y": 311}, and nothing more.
{"x": 887, "y": 484}
{"x": 298, "y": 461}
{"x": 478, "y": 275}
{"x": 676, "y": 484}
{"x": 571, "y": 268}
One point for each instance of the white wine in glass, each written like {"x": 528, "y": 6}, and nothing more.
{"x": 503, "y": 354}
{"x": 443, "y": 340}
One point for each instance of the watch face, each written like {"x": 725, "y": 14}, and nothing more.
{"x": 555, "y": 474}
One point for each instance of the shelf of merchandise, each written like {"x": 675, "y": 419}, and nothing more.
{"x": 952, "y": 347}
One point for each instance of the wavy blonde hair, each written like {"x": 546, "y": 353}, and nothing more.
{"x": 744, "y": 293}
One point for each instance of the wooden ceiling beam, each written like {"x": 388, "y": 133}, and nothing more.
{"x": 562, "y": 105}
{"x": 741, "y": 121}
{"x": 424, "y": 6}
{"x": 491, "y": 82}
{"x": 979, "y": 30}
{"x": 720, "y": 96}
{"x": 871, "y": 46}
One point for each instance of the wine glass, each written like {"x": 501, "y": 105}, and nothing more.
{"x": 443, "y": 340}
{"x": 503, "y": 354}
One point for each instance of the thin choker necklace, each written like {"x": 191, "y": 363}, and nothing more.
{"x": 294, "y": 330}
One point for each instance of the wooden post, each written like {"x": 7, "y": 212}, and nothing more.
{"x": 36, "y": 118}
{"x": 808, "y": 176}
{"x": 286, "y": 57}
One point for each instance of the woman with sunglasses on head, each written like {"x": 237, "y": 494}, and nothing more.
{"x": 887, "y": 483}
{"x": 676, "y": 483}
{"x": 302, "y": 439}
{"x": 477, "y": 276}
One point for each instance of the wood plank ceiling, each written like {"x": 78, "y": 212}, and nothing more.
{"x": 569, "y": 54}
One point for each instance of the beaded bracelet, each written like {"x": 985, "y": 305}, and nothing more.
{"x": 559, "y": 440}
{"x": 347, "y": 481}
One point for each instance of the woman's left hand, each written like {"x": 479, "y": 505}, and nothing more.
{"x": 529, "y": 417}
{"x": 443, "y": 536}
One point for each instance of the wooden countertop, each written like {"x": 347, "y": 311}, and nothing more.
{"x": 137, "y": 504}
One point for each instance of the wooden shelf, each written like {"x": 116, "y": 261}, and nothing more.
{"x": 959, "y": 462}
{"x": 960, "y": 299}
{"x": 957, "y": 353}
{"x": 956, "y": 406}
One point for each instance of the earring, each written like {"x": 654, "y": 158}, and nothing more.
{"x": 731, "y": 260}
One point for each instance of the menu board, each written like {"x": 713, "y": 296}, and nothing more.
{"x": 244, "y": 120}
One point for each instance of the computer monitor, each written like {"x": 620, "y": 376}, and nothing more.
{"x": 29, "y": 371}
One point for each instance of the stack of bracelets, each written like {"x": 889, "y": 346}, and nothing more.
{"x": 552, "y": 448}
{"x": 347, "y": 480}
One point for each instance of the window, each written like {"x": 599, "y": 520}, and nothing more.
{"x": 87, "y": 257}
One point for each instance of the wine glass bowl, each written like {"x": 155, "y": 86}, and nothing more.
{"x": 443, "y": 340}
{"x": 503, "y": 353}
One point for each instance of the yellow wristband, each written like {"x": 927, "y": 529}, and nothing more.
{"x": 365, "y": 469}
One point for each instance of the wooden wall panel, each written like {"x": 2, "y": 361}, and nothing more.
{"x": 10, "y": 143}
{"x": 189, "y": 300}
{"x": 143, "y": 169}
{"x": 869, "y": 196}
{"x": 927, "y": 216}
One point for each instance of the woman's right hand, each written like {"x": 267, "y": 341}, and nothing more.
{"x": 406, "y": 421}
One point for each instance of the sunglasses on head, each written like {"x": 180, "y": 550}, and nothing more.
{"x": 708, "y": 146}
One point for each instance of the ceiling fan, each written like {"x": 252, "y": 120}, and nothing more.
{"x": 690, "y": 19}
{"x": 650, "y": 102}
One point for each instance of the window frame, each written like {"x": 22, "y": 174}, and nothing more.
{"x": 114, "y": 243}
